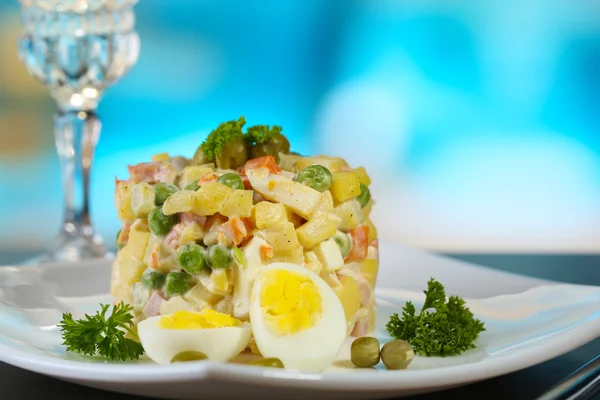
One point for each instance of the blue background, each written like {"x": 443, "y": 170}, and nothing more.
{"x": 480, "y": 121}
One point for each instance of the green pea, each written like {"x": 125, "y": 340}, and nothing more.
{"x": 186, "y": 356}
{"x": 162, "y": 191}
{"x": 344, "y": 243}
{"x": 153, "y": 279}
{"x": 233, "y": 154}
{"x": 265, "y": 149}
{"x": 364, "y": 352}
{"x": 192, "y": 186}
{"x": 159, "y": 223}
{"x": 192, "y": 258}
{"x": 177, "y": 283}
{"x": 120, "y": 245}
{"x": 219, "y": 256}
{"x": 397, "y": 354}
{"x": 268, "y": 363}
{"x": 281, "y": 143}
{"x": 317, "y": 177}
{"x": 232, "y": 180}
{"x": 364, "y": 196}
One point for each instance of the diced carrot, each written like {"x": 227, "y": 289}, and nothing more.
{"x": 268, "y": 162}
{"x": 210, "y": 177}
{"x": 235, "y": 230}
{"x": 266, "y": 251}
{"x": 360, "y": 243}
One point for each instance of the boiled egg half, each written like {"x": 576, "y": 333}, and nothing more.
{"x": 296, "y": 317}
{"x": 218, "y": 336}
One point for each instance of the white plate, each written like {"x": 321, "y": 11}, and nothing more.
{"x": 528, "y": 321}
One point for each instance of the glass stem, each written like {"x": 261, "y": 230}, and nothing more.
{"x": 76, "y": 135}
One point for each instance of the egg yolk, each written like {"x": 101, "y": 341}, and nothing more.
{"x": 206, "y": 319}
{"x": 290, "y": 302}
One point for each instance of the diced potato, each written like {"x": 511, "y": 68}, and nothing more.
{"x": 199, "y": 295}
{"x": 210, "y": 198}
{"x": 267, "y": 214}
{"x": 138, "y": 242}
{"x": 288, "y": 161}
{"x": 349, "y": 296}
{"x": 325, "y": 205}
{"x": 130, "y": 269}
{"x": 244, "y": 280}
{"x": 332, "y": 280}
{"x": 350, "y": 214}
{"x": 311, "y": 262}
{"x": 122, "y": 293}
{"x": 161, "y": 157}
{"x": 123, "y": 201}
{"x": 182, "y": 201}
{"x": 369, "y": 268}
{"x": 175, "y": 304}
{"x": 284, "y": 240}
{"x": 298, "y": 197}
{"x": 294, "y": 218}
{"x": 191, "y": 234}
{"x": 217, "y": 284}
{"x": 345, "y": 186}
{"x": 372, "y": 230}
{"x": 321, "y": 228}
{"x": 329, "y": 255}
{"x": 160, "y": 256}
{"x": 142, "y": 199}
{"x": 193, "y": 174}
{"x": 363, "y": 177}
{"x": 334, "y": 164}
{"x": 238, "y": 204}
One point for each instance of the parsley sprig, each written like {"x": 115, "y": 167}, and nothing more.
{"x": 225, "y": 132}
{"x": 441, "y": 328}
{"x": 101, "y": 334}
{"x": 259, "y": 134}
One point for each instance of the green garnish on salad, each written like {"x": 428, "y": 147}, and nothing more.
{"x": 259, "y": 134}
{"x": 442, "y": 328}
{"x": 225, "y": 132}
{"x": 101, "y": 334}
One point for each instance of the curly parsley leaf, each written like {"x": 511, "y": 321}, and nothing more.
{"x": 259, "y": 134}
{"x": 101, "y": 334}
{"x": 225, "y": 132}
{"x": 441, "y": 328}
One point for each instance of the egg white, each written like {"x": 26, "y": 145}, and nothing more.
{"x": 219, "y": 344}
{"x": 310, "y": 350}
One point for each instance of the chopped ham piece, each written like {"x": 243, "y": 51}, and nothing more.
{"x": 267, "y": 162}
{"x": 152, "y": 308}
{"x": 172, "y": 238}
{"x": 361, "y": 327}
{"x": 365, "y": 291}
{"x": 360, "y": 243}
{"x": 188, "y": 218}
{"x": 151, "y": 172}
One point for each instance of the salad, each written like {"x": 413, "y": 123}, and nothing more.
{"x": 246, "y": 246}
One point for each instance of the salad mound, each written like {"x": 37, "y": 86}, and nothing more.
{"x": 197, "y": 233}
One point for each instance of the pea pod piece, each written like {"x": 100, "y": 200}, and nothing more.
{"x": 192, "y": 186}
{"x": 159, "y": 223}
{"x": 233, "y": 154}
{"x": 397, "y": 354}
{"x": 344, "y": 243}
{"x": 268, "y": 363}
{"x": 316, "y": 176}
{"x": 364, "y": 352}
{"x": 177, "y": 283}
{"x": 192, "y": 258}
{"x": 153, "y": 279}
{"x": 232, "y": 180}
{"x": 162, "y": 191}
{"x": 364, "y": 196}
{"x": 186, "y": 356}
{"x": 219, "y": 256}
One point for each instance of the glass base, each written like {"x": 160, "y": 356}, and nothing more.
{"x": 73, "y": 245}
